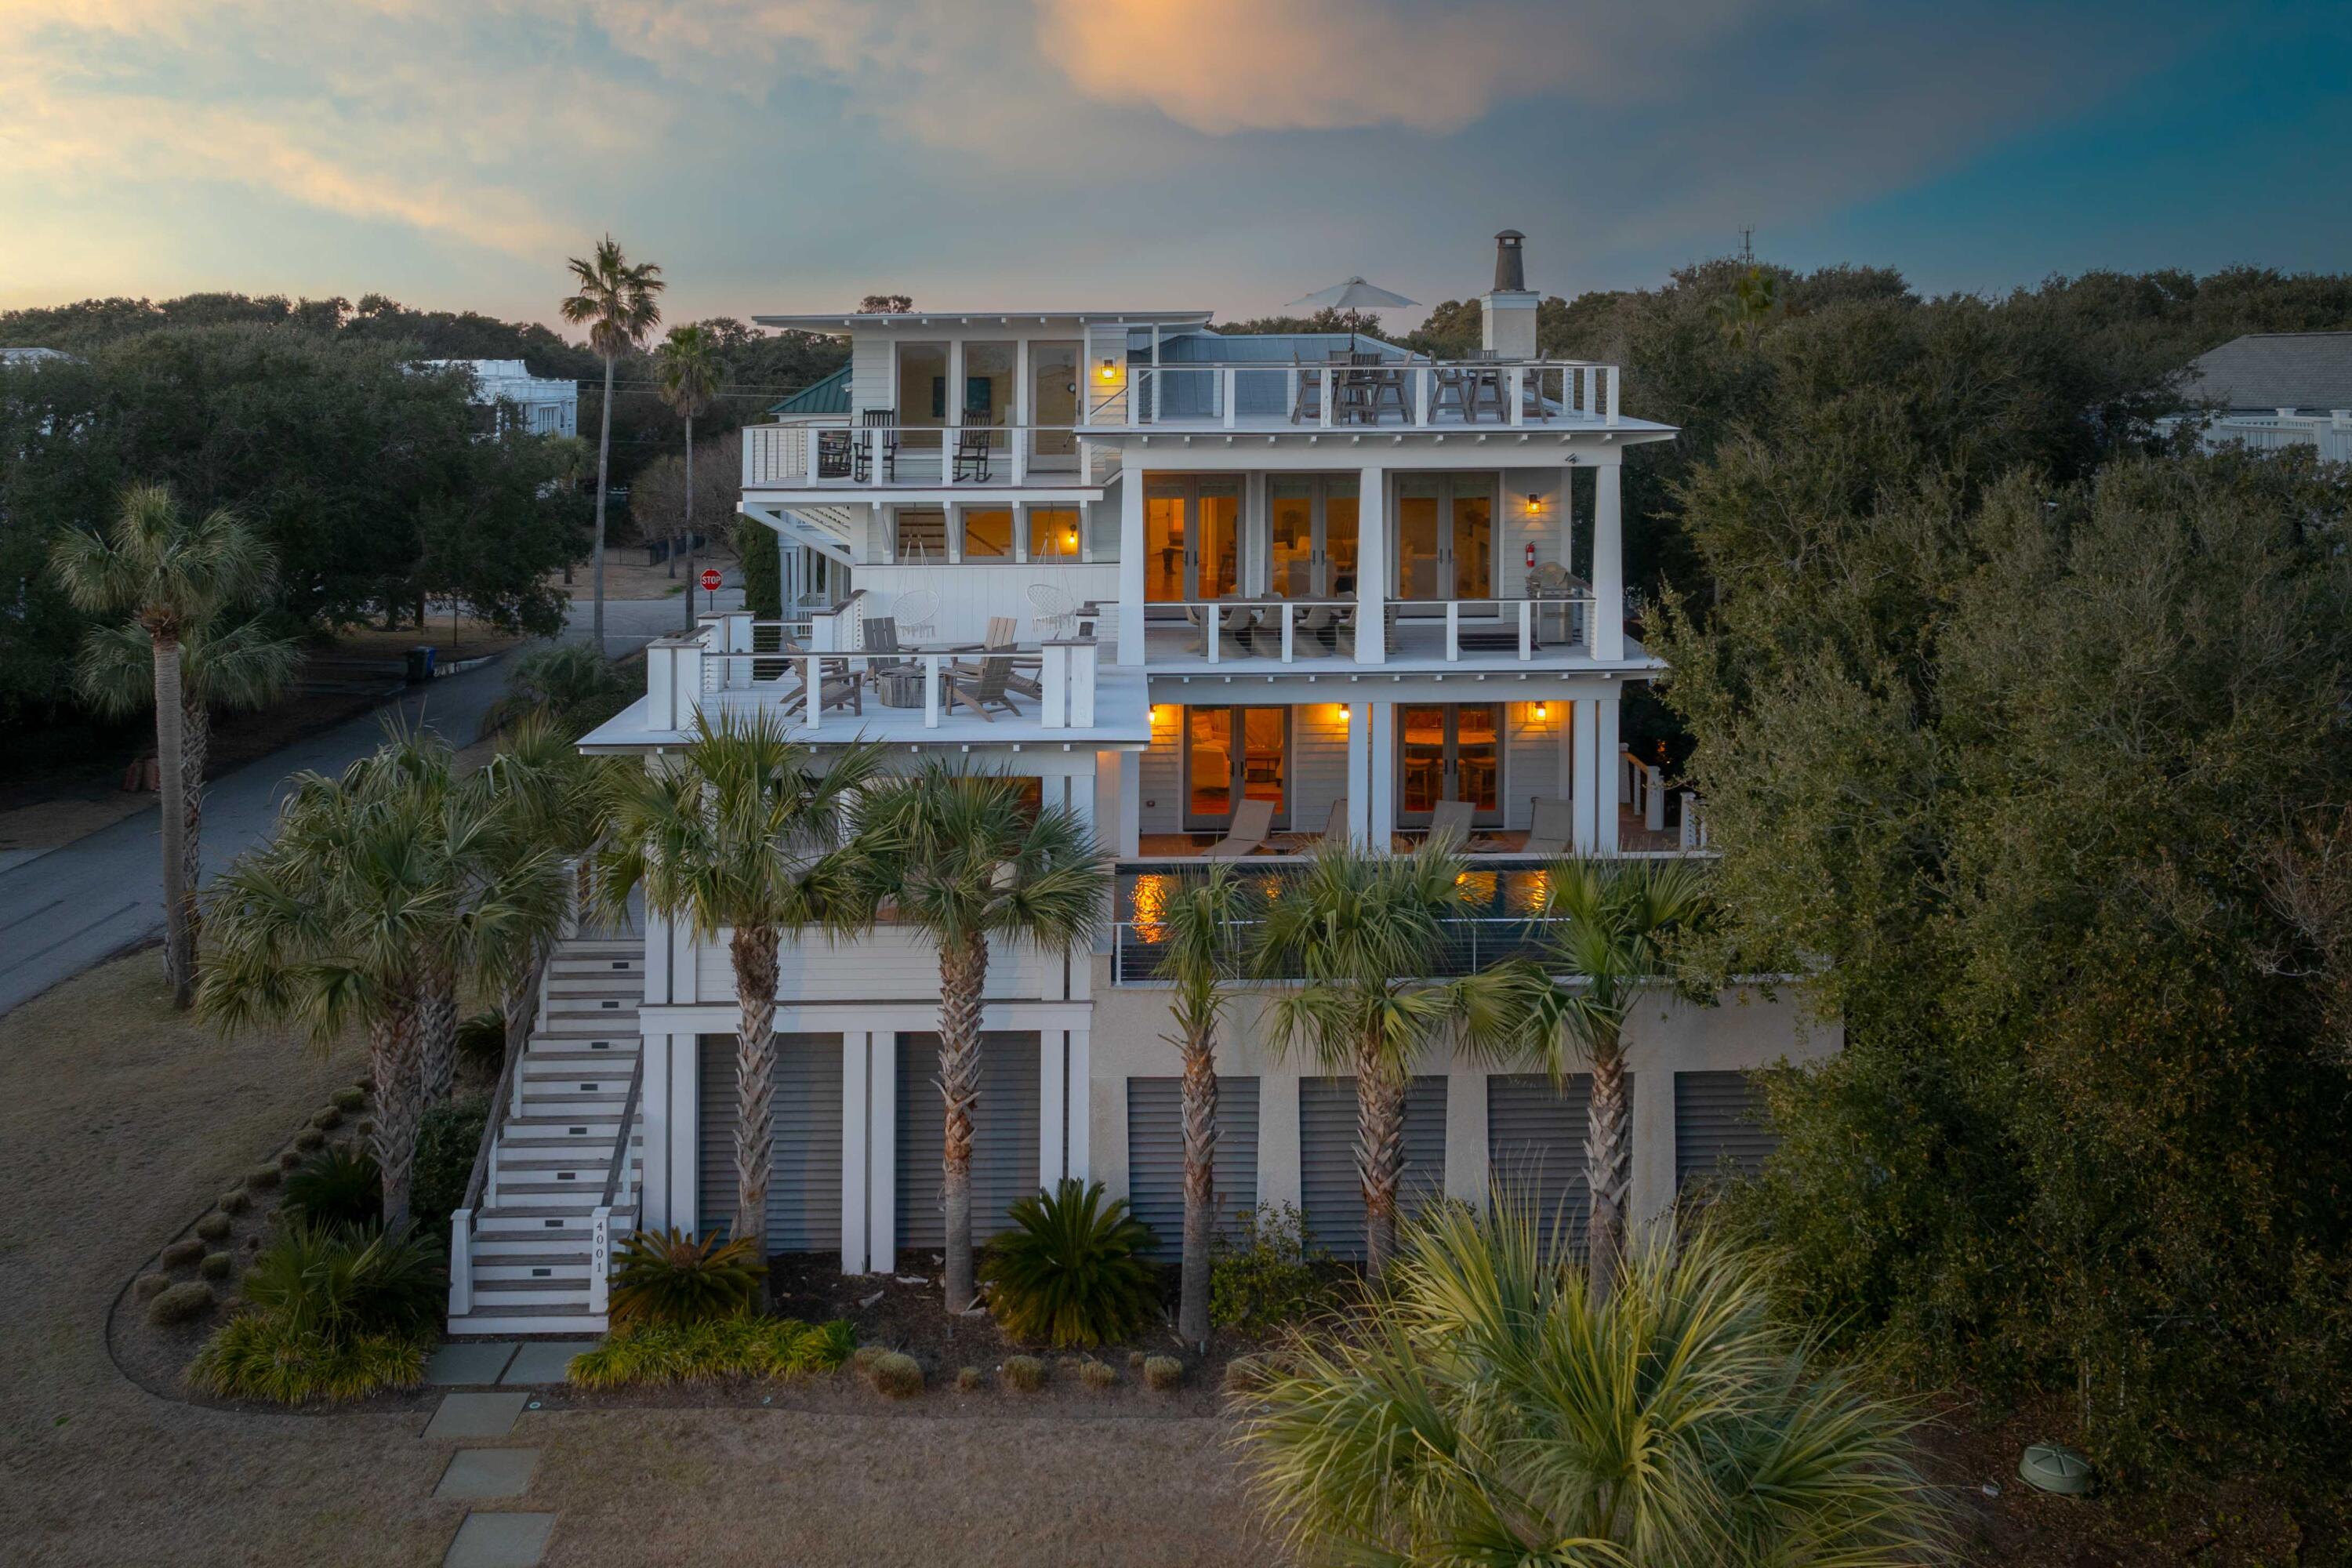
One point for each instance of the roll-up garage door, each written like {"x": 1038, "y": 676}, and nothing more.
{"x": 1155, "y": 1155}
{"x": 1004, "y": 1132}
{"x": 1535, "y": 1146}
{"x": 805, "y": 1181}
{"x": 1327, "y": 1157}
{"x": 1719, "y": 1126}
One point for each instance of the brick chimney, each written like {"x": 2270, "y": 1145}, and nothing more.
{"x": 1507, "y": 315}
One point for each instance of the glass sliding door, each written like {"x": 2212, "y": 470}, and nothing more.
{"x": 1192, "y": 539}
{"x": 1338, "y": 574}
{"x": 1420, "y": 538}
{"x": 1219, "y": 558}
{"x": 1449, "y": 751}
{"x": 1445, "y": 537}
{"x": 988, "y": 370}
{"x": 922, "y": 395}
{"x": 1231, "y": 755}
{"x": 1290, "y": 538}
{"x": 1054, "y": 404}
{"x": 1472, "y": 505}
{"x": 1167, "y": 541}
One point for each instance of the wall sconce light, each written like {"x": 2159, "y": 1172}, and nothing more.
{"x": 1543, "y": 712}
{"x": 1535, "y": 501}
{"x": 1109, "y": 370}
{"x": 1344, "y": 712}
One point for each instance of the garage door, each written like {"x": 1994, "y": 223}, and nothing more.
{"x": 1719, "y": 1126}
{"x": 1155, "y": 1155}
{"x": 1327, "y": 1157}
{"x": 805, "y": 1181}
{"x": 1535, "y": 1146}
{"x": 1005, "y": 1131}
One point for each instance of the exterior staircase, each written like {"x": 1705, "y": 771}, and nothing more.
{"x": 531, "y": 1252}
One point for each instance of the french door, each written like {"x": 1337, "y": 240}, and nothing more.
{"x": 1233, "y": 754}
{"x": 1449, "y": 751}
{"x": 1192, "y": 539}
{"x": 1311, "y": 535}
{"x": 1445, "y": 537}
{"x": 1054, "y": 406}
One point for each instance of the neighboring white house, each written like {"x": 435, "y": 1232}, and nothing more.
{"x": 1271, "y": 587}
{"x": 547, "y": 406}
{"x": 2273, "y": 390}
{"x": 30, "y": 356}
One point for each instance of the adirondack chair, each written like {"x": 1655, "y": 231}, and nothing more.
{"x": 985, "y": 690}
{"x": 1020, "y": 674}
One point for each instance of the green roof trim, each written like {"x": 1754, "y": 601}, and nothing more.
{"x": 830, "y": 396}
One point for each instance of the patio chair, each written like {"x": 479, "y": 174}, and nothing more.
{"x": 1253, "y": 819}
{"x": 862, "y": 454}
{"x": 1449, "y": 824}
{"x": 985, "y": 690}
{"x": 837, "y": 687}
{"x": 1312, "y": 637}
{"x": 1345, "y": 633}
{"x": 832, "y": 453}
{"x": 1551, "y": 829}
{"x": 1307, "y": 403}
{"x": 1020, "y": 674}
{"x": 972, "y": 444}
{"x": 1058, "y": 613}
{"x": 1378, "y": 385}
{"x": 1334, "y": 834}
{"x": 916, "y": 612}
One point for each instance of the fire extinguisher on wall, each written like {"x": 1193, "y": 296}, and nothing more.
{"x": 1531, "y": 554}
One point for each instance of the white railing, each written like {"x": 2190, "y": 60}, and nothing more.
{"x": 838, "y": 453}
{"x": 1693, "y": 829}
{"x": 1288, "y": 630}
{"x": 1643, "y": 788}
{"x": 1413, "y": 393}
{"x": 2331, "y": 433}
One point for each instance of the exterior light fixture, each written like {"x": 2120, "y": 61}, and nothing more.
{"x": 1535, "y": 501}
{"x": 1543, "y": 712}
{"x": 1109, "y": 370}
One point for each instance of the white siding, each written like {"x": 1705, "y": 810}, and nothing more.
{"x": 882, "y": 963}
{"x": 1530, "y": 759}
{"x": 1163, "y": 779}
{"x": 969, "y": 595}
{"x": 870, "y": 355}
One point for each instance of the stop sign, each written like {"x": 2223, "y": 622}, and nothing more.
{"x": 710, "y": 579}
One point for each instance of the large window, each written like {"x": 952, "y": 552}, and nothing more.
{"x": 988, "y": 386}
{"x": 922, "y": 394}
{"x": 1311, "y": 536}
{"x": 987, "y": 533}
{"x": 1192, "y": 539}
{"x": 1233, "y": 754}
{"x": 921, "y": 536}
{"x": 1053, "y": 533}
{"x": 1445, "y": 536}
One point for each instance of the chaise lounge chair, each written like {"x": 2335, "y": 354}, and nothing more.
{"x": 1553, "y": 826}
{"x": 1247, "y": 836}
{"x": 1449, "y": 824}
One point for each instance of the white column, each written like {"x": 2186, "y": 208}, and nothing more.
{"x": 1585, "y": 828}
{"x": 952, "y": 409}
{"x": 1371, "y": 567}
{"x": 1610, "y": 767}
{"x": 1053, "y": 1105}
{"x": 1130, "y": 803}
{"x": 684, "y": 974}
{"x": 1254, "y": 532}
{"x": 1466, "y": 1132}
{"x": 1130, "y": 563}
{"x": 1278, "y": 1177}
{"x": 1017, "y": 438}
{"x": 856, "y": 1047}
{"x": 1359, "y": 773}
{"x": 1608, "y": 566}
{"x": 1382, "y": 763}
{"x": 1079, "y": 1151}
{"x": 658, "y": 957}
{"x": 684, "y": 1155}
{"x": 660, "y": 1132}
{"x": 882, "y": 1153}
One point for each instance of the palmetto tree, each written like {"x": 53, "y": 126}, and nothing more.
{"x": 555, "y": 798}
{"x": 240, "y": 665}
{"x": 615, "y": 300}
{"x": 1200, "y": 952}
{"x": 173, "y": 574}
{"x": 570, "y": 686}
{"x": 690, "y": 370}
{"x": 741, "y": 836}
{"x": 1495, "y": 1413}
{"x": 1612, "y": 923}
{"x": 1353, "y": 943}
{"x": 956, "y": 856}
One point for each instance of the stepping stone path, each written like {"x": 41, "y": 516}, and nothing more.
{"x": 492, "y": 1377}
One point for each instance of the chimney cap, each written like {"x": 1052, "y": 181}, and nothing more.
{"x": 1510, "y": 263}
{"x": 1510, "y": 233}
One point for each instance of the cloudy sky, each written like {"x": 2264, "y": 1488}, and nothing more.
{"x": 1227, "y": 154}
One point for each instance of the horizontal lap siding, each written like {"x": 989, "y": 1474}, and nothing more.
{"x": 1155, "y": 1155}
{"x": 805, "y": 1178}
{"x": 1534, "y": 1145}
{"x": 1531, "y": 760}
{"x": 1333, "y": 1197}
{"x": 1160, "y": 774}
{"x": 1005, "y": 1130}
{"x": 1719, "y": 1126}
{"x": 889, "y": 963}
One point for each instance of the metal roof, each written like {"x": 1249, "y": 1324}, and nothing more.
{"x": 2310, "y": 372}
{"x": 849, "y": 320}
{"x": 830, "y": 396}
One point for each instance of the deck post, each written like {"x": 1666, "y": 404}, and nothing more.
{"x": 1608, "y": 564}
{"x": 1371, "y": 567}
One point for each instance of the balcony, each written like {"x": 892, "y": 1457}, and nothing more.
{"x": 1267, "y": 632}
{"x": 1367, "y": 391}
{"x": 877, "y": 461}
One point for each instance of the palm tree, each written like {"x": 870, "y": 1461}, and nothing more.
{"x": 240, "y": 667}
{"x": 615, "y": 299}
{"x": 1353, "y": 942}
{"x": 1200, "y": 949}
{"x": 1741, "y": 314}
{"x": 741, "y": 838}
{"x": 957, "y": 857}
{"x": 1496, "y": 1413}
{"x": 555, "y": 797}
{"x": 690, "y": 372}
{"x": 172, "y": 575}
{"x": 570, "y": 686}
{"x": 1612, "y": 924}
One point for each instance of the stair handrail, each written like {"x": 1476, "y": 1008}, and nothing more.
{"x": 621, "y": 1138}
{"x": 600, "y": 1223}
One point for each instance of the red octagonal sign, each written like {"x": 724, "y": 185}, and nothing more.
{"x": 710, "y": 581}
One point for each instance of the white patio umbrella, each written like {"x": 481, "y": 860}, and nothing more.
{"x": 1355, "y": 294}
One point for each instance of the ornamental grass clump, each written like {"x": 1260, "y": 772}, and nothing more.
{"x": 335, "y": 1311}
{"x": 180, "y": 1303}
{"x": 1162, "y": 1371}
{"x": 657, "y": 1352}
{"x": 182, "y": 1253}
{"x": 1488, "y": 1407}
{"x": 895, "y": 1375}
{"x": 1097, "y": 1374}
{"x": 336, "y": 1186}
{"x": 215, "y": 1226}
{"x": 1024, "y": 1373}
{"x": 217, "y": 1264}
{"x": 1071, "y": 1271}
{"x": 969, "y": 1380}
{"x": 668, "y": 1277}
{"x": 348, "y": 1098}
{"x": 261, "y": 1178}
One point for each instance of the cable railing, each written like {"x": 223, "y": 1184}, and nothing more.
{"x": 1410, "y": 393}
{"x": 1465, "y": 946}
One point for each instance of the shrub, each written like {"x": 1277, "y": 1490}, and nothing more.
{"x": 348, "y": 1098}
{"x": 337, "y": 1187}
{"x": 180, "y": 1254}
{"x": 215, "y": 1226}
{"x": 1134, "y": 1361}
{"x": 261, "y": 1178}
{"x": 447, "y": 1138}
{"x": 367, "y": 1126}
{"x": 1268, "y": 1276}
{"x": 237, "y": 1200}
{"x": 289, "y": 1158}
{"x": 344, "y": 1281}
{"x": 180, "y": 1303}
{"x": 217, "y": 1264}
{"x": 1162, "y": 1371}
{"x": 1097, "y": 1374}
{"x": 327, "y": 1119}
{"x": 1070, "y": 1272}
{"x": 482, "y": 1042}
{"x": 743, "y": 1346}
{"x": 1245, "y": 1375}
{"x": 147, "y": 1287}
{"x": 861, "y": 1359}
{"x": 258, "y": 1355}
{"x": 1025, "y": 1372}
{"x": 310, "y": 1140}
{"x": 897, "y": 1375}
{"x": 970, "y": 1381}
{"x": 670, "y": 1276}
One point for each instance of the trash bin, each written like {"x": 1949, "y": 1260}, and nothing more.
{"x": 420, "y": 665}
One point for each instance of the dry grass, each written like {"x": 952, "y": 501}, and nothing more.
{"x": 136, "y": 1120}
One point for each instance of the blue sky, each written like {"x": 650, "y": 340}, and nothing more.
{"x": 1229, "y": 154}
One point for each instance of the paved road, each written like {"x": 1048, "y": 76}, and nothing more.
{"x": 67, "y": 909}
